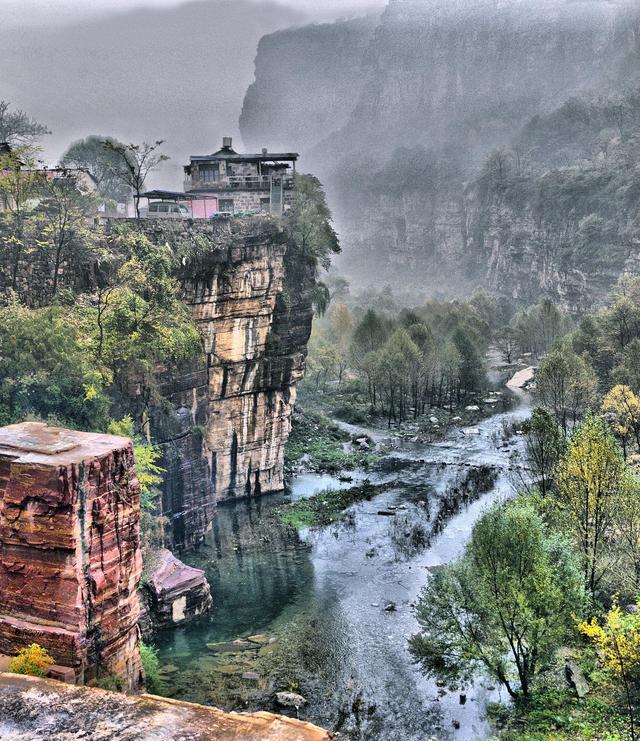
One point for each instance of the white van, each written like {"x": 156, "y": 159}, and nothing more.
{"x": 168, "y": 210}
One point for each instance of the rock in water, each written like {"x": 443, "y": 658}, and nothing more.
{"x": 290, "y": 700}
{"x": 177, "y": 592}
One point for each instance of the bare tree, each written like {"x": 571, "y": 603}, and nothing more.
{"x": 133, "y": 164}
{"x": 16, "y": 127}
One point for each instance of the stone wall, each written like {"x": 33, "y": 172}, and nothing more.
{"x": 70, "y": 558}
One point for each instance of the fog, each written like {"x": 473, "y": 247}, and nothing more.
{"x": 141, "y": 70}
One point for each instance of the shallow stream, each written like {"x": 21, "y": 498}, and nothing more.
{"x": 320, "y": 595}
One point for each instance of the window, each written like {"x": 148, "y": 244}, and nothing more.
{"x": 265, "y": 204}
{"x": 226, "y": 204}
{"x": 209, "y": 173}
{"x": 163, "y": 208}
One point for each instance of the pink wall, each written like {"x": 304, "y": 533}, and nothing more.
{"x": 202, "y": 208}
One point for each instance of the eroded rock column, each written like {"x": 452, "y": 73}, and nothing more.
{"x": 70, "y": 558}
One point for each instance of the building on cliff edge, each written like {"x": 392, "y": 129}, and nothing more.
{"x": 230, "y": 183}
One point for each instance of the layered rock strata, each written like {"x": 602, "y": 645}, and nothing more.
{"x": 177, "y": 593}
{"x": 34, "y": 709}
{"x": 230, "y": 410}
{"x": 70, "y": 558}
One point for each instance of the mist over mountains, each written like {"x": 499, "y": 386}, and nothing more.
{"x": 429, "y": 147}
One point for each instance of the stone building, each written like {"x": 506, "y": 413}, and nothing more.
{"x": 230, "y": 183}
{"x": 70, "y": 557}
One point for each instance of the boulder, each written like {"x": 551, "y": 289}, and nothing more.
{"x": 177, "y": 593}
{"x": 290, "y": 700}
{"x": 575, "y": 678}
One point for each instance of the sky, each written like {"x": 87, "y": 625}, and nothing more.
{"x": 17, "y": 13}
{"x": 142, "y": 70}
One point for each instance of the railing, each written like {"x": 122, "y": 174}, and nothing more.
{"x": 241, "y": 182}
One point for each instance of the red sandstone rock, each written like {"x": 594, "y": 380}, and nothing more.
{"x": 178, "y": 592}
{"x": 70, "y": 558}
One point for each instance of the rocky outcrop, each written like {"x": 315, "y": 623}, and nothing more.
{"x": 177, "y": 593}
{"x": 224, "y": 432}
{"x": 36, "y": 709}
{"x": 70, "y": 558}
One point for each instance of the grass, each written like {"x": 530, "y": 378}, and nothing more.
{"x": 326, "y": 507}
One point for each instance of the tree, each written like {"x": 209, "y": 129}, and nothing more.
{"x": 139, "y": 320}
{"x": 506, "y": 603}
{"x": 20, "y": 184}
{"x": 398, "y": 361}
{"x": 507, "y": 342}
{"x": 132, "y": 163}
{"x": 627, "y": 371}
{"x": 591, "y": 477}
{"x": 471, "y": 373}
{"x": 618, "y": 644}
{"x": 566, "y": 384}
{"x": 16, "y": 127}
{"x": 621, "y": 407}
{"x": 64, "y": 206}
{"x": 104, "y": 164}
{"x": 45, "y": 369}
{"x": 544, "y": 445}
{"x": 341, "y": 329}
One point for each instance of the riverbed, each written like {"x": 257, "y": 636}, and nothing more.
{"x": 333, "y": 606}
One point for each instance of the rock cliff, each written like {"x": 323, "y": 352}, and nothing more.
{"x": 441, "y": 85}
{"x": 228, "y": 419}
{"x": 70, "y": 532}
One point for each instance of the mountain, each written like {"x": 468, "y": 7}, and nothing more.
{"x": 425, "y": 102}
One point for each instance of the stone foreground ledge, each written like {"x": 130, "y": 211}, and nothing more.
{"x": 33, "y": 709}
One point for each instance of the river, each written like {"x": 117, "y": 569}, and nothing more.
{"x": 321, "y": 594}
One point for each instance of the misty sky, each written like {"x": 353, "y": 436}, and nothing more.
{"x": 143, "y": 69}
{"x": 18, "y": 13}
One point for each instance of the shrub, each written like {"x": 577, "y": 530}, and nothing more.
{"x": 151, "y": 666}
{"x": 32, "y": 660}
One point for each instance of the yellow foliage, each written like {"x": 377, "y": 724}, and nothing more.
{"x": 617, "y": 640}
{"x": 33, "y": 660}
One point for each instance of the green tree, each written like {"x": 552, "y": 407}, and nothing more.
{"x": 591, "y": 478}
{"x": 544, "y": 445}
{"x": 312, "y": 238}
{"x": 46, "y": 370}
{"x": 20, "y": 183}
{"x": 627, "y": 372}
{"x": 506, "y": 605}
{"x": 566, "y": 384}
{"x": 103, "y": 163}
{"x": 64, "y": 233}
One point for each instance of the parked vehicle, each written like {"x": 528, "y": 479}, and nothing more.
{"x": 168, "y": 210}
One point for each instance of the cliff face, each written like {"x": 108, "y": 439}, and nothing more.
{"x": 442, "y": 85}
{"x": 70, "y": 558}
{"x": 230, "y": 415}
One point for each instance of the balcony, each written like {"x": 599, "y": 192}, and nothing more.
{"x": 240, "y": 182}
